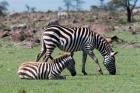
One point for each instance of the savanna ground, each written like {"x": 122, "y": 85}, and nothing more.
{"x": 127, "y": 79}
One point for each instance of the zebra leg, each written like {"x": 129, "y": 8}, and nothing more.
{"x": 40, "y": 55}
{"x": 48, "y": 54}
{"x": 49, "y": 57}
{"x": 49, "y": 49}
{"x": 92, "y": 55}
{"x": 42, "y": 51}
{"x": 84, "y": 62}
{"x": 46, "y": 58}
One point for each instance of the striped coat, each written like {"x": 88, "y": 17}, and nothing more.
{"x": 77, "y": 39}
{"x": 43, "y": 70}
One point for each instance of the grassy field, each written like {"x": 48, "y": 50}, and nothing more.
{"x": 127, "y": 79}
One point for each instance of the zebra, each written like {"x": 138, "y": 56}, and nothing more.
{"x": 43, "y": 70}
{"x": 77, "y": 39}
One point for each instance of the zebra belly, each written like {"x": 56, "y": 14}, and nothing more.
{"x": 62, "y": 47}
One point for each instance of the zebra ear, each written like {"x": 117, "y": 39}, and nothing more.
{"x": 113, "y": 53}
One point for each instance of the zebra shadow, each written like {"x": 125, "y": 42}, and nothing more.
{"x": 88, "y": 76}
{"x": 106, "y": 74}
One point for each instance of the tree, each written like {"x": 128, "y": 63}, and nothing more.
{"x": 3, "y": 7}
{"x": 68, "y": 4}
{"x": 33, "y": 9}
{"x": 101, "y": 4}
{"x": 30, "y": 9}
{"x": 111, "y": 6}
{"x": 78, "y": 4}
{"x": 93, "y": 7}
{"x": 60, "y": 8}
{"x": 27, "y": 7}
{"x": 129, "y": 5}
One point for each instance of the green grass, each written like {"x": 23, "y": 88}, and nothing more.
{"x": 127, "y": 79}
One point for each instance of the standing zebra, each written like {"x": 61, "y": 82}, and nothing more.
{"x": 77, "y": 39}
{"x": 34, "y": 70}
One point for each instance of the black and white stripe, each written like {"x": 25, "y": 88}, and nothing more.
{"x": 77, "y": 39}
{"x": 38, "y": 70}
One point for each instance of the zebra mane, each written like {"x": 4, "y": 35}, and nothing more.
{"x": 61, "y": 57}
{"x": 108, "y": 47}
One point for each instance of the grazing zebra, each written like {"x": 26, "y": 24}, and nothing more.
{"x": 77, "y": 39}
{"x": 43, "y": 70}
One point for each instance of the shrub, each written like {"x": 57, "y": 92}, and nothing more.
{"x": 4, "y": 27}
{"x": 122, "y": 21}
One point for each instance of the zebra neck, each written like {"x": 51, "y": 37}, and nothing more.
{"x": 101, "y": 44}
{"x": 60, "y": 64}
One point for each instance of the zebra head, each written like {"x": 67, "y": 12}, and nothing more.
{"x": 109, "y": 63}
{"x": 71, "y": 65}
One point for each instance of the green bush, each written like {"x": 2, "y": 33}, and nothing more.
{"x": 122, "y": 21}
{"x": 90, "y": 20}
{"x": 4, "y": 27}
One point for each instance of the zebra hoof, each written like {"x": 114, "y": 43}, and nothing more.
{"x": 101, "y": 72}
{"x": 73, "y": 74}
{"x": 85, "y": 73}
